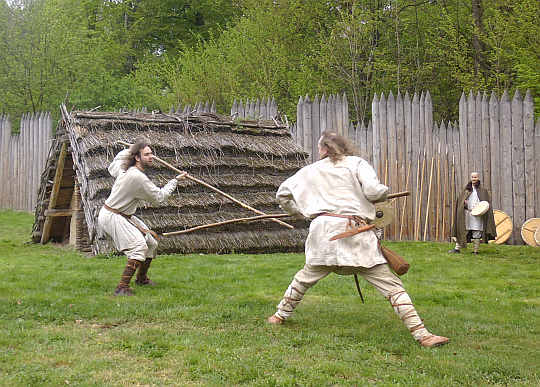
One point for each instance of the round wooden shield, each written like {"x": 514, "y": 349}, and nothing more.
{"x": 480, "y": 209}
{"x": 537, "y": 236}
{"x": 528, "y": 231}
{"x": 503, "y": 225}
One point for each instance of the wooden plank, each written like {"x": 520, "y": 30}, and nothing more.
{"x": 401, "y": 164}
{"x": 369, "y": 143}
{"x": 308, "y": 129}
{"x": 537, "y": 168}
{"x": 392, "y": 179}
{"x": 54, "y": 193}
{"x": 315, "y": 127}
{"x": 471, "y": 135}
{"x": 518, "y": 166}
{"x": 60, "y": 212}
{"x": 462, "y": 161}
{"x": 478, "y": 137}
{"x": 345, "y": 113}
{"x": 338, "y": 115}
{"x": 486, "y": 143}
{"x": 383, "y": 126}
{"x": 416, "y": 165}
{"x": 495, "y": 155}
{"x": 506, "y": 187}
{"x": 531, "y": 183}
{"x": 300, "y": 122}
{"x": 375, "y": 119}
{"x": 408, "y": 214}
{"x": 428, "y": 123}
{"x": 323, "y": 111}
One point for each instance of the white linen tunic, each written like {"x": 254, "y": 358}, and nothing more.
{"x": 129, "y": 190}
{"x": 347, "y": 187}
{"x": 473, "y": 222}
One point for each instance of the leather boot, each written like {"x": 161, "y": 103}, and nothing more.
{"x": 142, "y": 278}
{"x": 123, "y": 287}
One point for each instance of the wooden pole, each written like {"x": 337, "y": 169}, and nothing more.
{"x": 445, "y": 185}
{"x": 225, "y": 222}
{"x": 438, "y": 209}
{"x": 404, "y": 203}
{"x": 212, "y": 188}
{"x": 428, "y": 198}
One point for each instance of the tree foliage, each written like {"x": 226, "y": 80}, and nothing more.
{"x": 158, "y": 53}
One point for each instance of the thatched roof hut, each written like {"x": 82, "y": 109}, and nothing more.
{"x": 247, "y": 159}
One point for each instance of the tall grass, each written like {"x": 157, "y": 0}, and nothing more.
{"x": 205, "y": 324}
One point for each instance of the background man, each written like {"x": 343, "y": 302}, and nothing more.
{"x": 328, "y": 192}
{"x": 128, "y": 233}
{"x": 467, "y": 227}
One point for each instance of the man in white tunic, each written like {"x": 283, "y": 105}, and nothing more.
{"x": 128, "y": 233}
{"x": 344, "y": 185}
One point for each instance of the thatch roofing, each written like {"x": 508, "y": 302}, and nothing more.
{"x": 247, "y": 159}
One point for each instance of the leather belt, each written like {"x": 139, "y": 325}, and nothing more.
{"x": 128, "y": 218}
{"x": 359, "y": 226}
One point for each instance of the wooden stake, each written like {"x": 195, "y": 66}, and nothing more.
{"x": 213, "y": 188}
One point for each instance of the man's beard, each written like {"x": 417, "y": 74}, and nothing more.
{"x": 145, "y": 165}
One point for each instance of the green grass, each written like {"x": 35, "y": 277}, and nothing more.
{"x": 205, "y": 324}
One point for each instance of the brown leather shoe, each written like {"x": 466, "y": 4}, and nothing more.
{"x": 275, "y": 320}
{"x": 433, "y": 341}
{"x": 122, "y": 291}
{"x": 147, "y": 281}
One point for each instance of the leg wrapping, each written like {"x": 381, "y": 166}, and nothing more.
{"x": 143, "y": 270}
{"x": 476, "y": 242}
{"x": 404, "y": 308}
{"x": 129, "y": 271}
{"x": 291, "y": 299}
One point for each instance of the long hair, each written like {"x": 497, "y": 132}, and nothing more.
{"x": 338, "y": 147}
{"x": 134, "y": 150}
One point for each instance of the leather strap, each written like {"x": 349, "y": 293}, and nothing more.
{"x": 128, "y": 218}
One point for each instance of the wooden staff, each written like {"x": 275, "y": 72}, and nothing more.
{"x": 394, "y": 195}
{"x": 225, "y": 222}
{"x": 398, "y": 194}
{"x": 404, "y": 203}
{"x": 438, "y": 210}
{"x": 212, "y": 188}
{"x": 428, "y": 198}
{"x": 445, "y": 185}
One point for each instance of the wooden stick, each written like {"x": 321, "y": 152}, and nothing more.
{"x": 419, "y": 195}
{"x": 398, "y": 194}
{"x": 405, "y": 203}
{"x": 428, "y": 198}
{"x": 213, "y": 188}
{"x": 437, "y": 208}
{"x": 445, "y": 185}
{"x": 225, "y": 222}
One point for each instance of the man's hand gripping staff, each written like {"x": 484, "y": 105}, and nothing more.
{"x": 187, "y": 176}
{"x": 382, "y": 219}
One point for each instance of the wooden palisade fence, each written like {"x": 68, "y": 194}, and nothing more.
{"x": 22, "y": 160}
{"x": 496, "y": 138}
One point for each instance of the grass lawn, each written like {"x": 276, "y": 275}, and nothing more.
{"x": 205, "y": 324}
